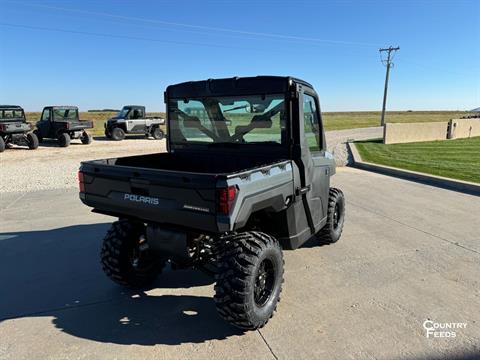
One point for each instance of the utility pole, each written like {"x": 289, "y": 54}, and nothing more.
{"x": 388, "y": 63}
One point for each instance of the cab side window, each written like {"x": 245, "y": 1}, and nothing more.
{"x": 312, "y": 123}
{"x": 46, "y": 115}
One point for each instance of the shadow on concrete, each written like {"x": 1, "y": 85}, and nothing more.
{"x": 147, "y": 320}
{"x": 313, "y": 242}
{"x": 57, "y": 273}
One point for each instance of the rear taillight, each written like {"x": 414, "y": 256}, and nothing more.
{"x": 225, "y": 199}
{"x": 81, "y": 182}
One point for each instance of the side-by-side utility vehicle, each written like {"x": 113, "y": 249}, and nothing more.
{"x": 63, "y": 124}
{"x": 131, "y": 120}
{"x": 246, "y": 175}
{"x": 14, "y": 128}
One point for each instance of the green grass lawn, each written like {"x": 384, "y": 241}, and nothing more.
{"x": 458, "y": 159}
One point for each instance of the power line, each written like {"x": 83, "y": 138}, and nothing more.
{"x": 30, "y": 27}
{"x": 199, "y": 27}
{"x": 388, "y": 63}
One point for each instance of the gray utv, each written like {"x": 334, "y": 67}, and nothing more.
{"x": 236, "y": 188}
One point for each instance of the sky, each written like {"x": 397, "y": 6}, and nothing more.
{"x": 104, "y": 54}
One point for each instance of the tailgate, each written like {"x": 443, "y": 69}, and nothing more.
{"x": 81, "y": 124}
{"x": 16, "y": 127}
{"x": 161, "y": 196}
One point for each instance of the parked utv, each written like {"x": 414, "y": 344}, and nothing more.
{"x": 63, "y": 124}
{"x": 14, "y": 128}
{"x": 131, "y": 120}
{"x": 233, "y": 191}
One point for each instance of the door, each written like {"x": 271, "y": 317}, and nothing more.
{"x": 136, "y": 121}
{"x": 317, "y": 176}
{"x": 44, "y": 125}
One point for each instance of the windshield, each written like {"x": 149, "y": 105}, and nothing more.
{"x": 123, "y": 113}
{"x": 65, "y": 114}
{"x": 8, "y": 115}
{"x": 254, "y": 119}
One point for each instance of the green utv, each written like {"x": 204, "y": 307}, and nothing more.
{"x": 63, "y": 124}
{"x": 246, "y": 176}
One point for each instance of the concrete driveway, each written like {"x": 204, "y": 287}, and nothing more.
{"x": 409, "y": 253}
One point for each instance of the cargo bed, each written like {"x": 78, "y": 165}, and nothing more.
{"x": 167, "y": 188}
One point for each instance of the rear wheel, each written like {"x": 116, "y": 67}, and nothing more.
{"x": 126, "y": 258}
{"x": 63, "y": 140}
{"x": 2, "y": 145}
{"x": 332, "y": 230}
{"x": 249, "y": 279}
{"x": 118, "y": 134}
{"x": 157, "y": 133}
{"x": 86, "y": 138}
{"x": 32, "y": 141}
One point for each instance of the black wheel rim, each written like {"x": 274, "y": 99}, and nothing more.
{"x": 264, "y": 282}
{"x": 336, "y": 216}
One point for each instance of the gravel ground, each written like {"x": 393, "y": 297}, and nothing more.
{"x": 50, "y": 167}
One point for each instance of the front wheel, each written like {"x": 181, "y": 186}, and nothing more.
{"x": 63, "y": 140}
{"x": 126, "y": 258}
{"x": 86, "y": 138}
{"x": 158, "y": 134}
{"x": 2, "y": 145}
{"x": 249, "y": 279}
{"x": 32, "y": 141}
{"x": 118, "y": 134}
{"x": 332, "y": 230}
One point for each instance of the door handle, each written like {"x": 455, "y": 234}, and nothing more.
{"x": 303, "y": 190}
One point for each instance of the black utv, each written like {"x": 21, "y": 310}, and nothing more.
{"x": 14, "y": 128}
{"x": 63, "y": 124}
{"x": 236, "y": 188}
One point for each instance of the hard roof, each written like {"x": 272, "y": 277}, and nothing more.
{"x": 62, "y": 107}
{"x": 235, "y": 85}
{"x": 10, "y": 107}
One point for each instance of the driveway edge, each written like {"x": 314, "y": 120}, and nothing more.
{"x": 438, "y": 181}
